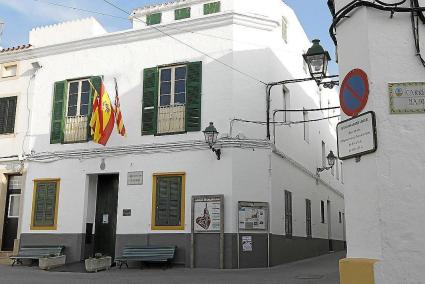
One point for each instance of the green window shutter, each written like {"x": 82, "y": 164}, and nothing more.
{"x": 45, "y": 204}
{"x": 211, "y": 8}
{"x": 193, "y": 100}
{"x": 150, "y": 101}
{"x": 183, "y": 13}
{"x": 96, "y": 82}
{"x": 168, "y": 201}
{"x": 153, "y": 19}
{"x": 11, "y": 113}
{"x": 7, "y": 114}
{"x": 59, "y": 105}
{"x": 3, "y": 105}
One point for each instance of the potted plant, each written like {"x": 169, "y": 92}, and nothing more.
{"x": 51, "y": 261}
{"x": 99, "y": 262}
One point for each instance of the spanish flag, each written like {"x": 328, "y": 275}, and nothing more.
{"x": 103, "y": 116}
{"x": 118, "y": 114}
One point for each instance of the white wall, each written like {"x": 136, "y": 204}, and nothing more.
{"x": 384, "y": 192}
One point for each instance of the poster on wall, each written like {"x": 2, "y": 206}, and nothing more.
{"x": 207, "y": 213}
{"x": 253, "y": 216}
{"x": 246, "y": 243}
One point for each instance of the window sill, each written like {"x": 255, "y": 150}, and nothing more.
{"x": 170, "y": 133}
{"x": 7, "y": 135}
{"x": 167, "y": 228}
{"x": 9, "y": 78}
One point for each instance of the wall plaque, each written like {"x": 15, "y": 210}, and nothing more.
{"x": 407, "y": 97}
{"x": 357, "y": 136}
{"x": 134, "y": 178}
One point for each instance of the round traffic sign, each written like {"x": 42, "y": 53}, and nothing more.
{"x": 354, "y": 92}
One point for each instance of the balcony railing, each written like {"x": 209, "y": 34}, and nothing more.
{"x": 75, "y": 129}
{"x": 171, "y": 119}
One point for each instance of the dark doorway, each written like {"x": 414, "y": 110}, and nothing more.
{"x": 11, "y": 214}
{"x": 106, "y": 215}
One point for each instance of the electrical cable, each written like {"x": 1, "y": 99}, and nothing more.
{"x": 165, "y": 33}
{"x": 285, "y": 123}
{"x": 414, "y": 9}
{"x": 188, "y": 45}
{"x": 126, "y": 19}
{"x": 305, "y": 110}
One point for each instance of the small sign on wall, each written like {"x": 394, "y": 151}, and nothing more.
{"x": 126, "y": 212}
{"x": 407, "y": 97}
{"x": 135, "y": 178}
{"x": 246, "y": 243}
{"x": 357, "y": 136}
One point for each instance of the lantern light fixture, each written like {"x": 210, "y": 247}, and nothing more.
{"x": 317, "y": 59}
{"x": 331, "y": 161}
{"x": 211, "y": 135}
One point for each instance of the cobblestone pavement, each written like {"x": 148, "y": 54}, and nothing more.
{"x": 319, "y": 270}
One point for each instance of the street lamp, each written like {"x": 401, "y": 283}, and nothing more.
{"x": 331, "y": 161}
{"x": 211, "y": 135}
{"x": 317, "y": 60}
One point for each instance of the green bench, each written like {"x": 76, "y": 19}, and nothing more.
{"x": 36, "y": 252}
{"x": 146, "y": 254}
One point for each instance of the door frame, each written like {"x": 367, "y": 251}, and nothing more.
{"x": 6, "y": 208}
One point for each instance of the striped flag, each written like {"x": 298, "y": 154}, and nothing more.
{"x": 103, "y": 116}
{"x": 118, "y": 114}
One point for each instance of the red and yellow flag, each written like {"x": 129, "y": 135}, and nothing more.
{"x": 118, "y": 114}
{"x": 103, "y": 116}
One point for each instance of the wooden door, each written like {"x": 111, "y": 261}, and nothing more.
{"x": 11, "y": 215}
{"x": 106, "y": 215}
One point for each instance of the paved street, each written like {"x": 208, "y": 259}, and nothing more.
{"x": 320, "y": 270}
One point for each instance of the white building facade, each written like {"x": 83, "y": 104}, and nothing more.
{"x": 383, "y": 191}
{"x": 174, "y": 78}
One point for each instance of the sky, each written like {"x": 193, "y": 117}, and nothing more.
{"x": 20, "y": 16}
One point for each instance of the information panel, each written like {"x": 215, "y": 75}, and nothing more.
{"x": 207, "y": 213}
{"x": 357, "y": 136}
{"x": 253, "y": 216}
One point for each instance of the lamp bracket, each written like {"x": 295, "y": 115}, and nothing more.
{"x": 217, "y": 152}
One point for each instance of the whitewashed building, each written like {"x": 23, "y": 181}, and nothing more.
{"x": 384, "y": 190}
{"x": 194, "y": 62}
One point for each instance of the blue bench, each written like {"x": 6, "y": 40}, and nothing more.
{"x": 36, "y": 252}
{"x": 146, "y": 254}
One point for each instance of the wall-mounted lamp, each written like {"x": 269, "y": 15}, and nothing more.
{"x": 317, "y": 59}
{"x": 331, "y": 161}
{"x": 211, "y": 135}
{"x": 36, "y": 65}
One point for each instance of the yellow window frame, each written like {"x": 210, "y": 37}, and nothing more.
{"x": 182, "y": 201}
{"x": 54, "y": 227}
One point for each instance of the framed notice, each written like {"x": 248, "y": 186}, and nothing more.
{"x": 207, "y": 213}
{"x": 135, "y": 178}
{"x": 407, "y": 97}
{"x": 253, "y": 216}
{"x": 357, "y": 136}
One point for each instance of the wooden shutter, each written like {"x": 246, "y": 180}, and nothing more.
{"x": 59, "y": 105}
{"x": 153, "y": 19}
{"x": 183, "y": 13}
{"x": 168, "y": 201}
{"x": 45, "y": 204}
{"x": 3, "y": 111}
{"x": 150, "y": 101}
{"x": 211, "y": 8}
{"x": 193, "y": 100}
{"x": 96, "y": 82}
{"x": 11, "y": 113}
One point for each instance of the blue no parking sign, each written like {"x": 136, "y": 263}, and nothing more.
{"x": 354, "y": 92}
